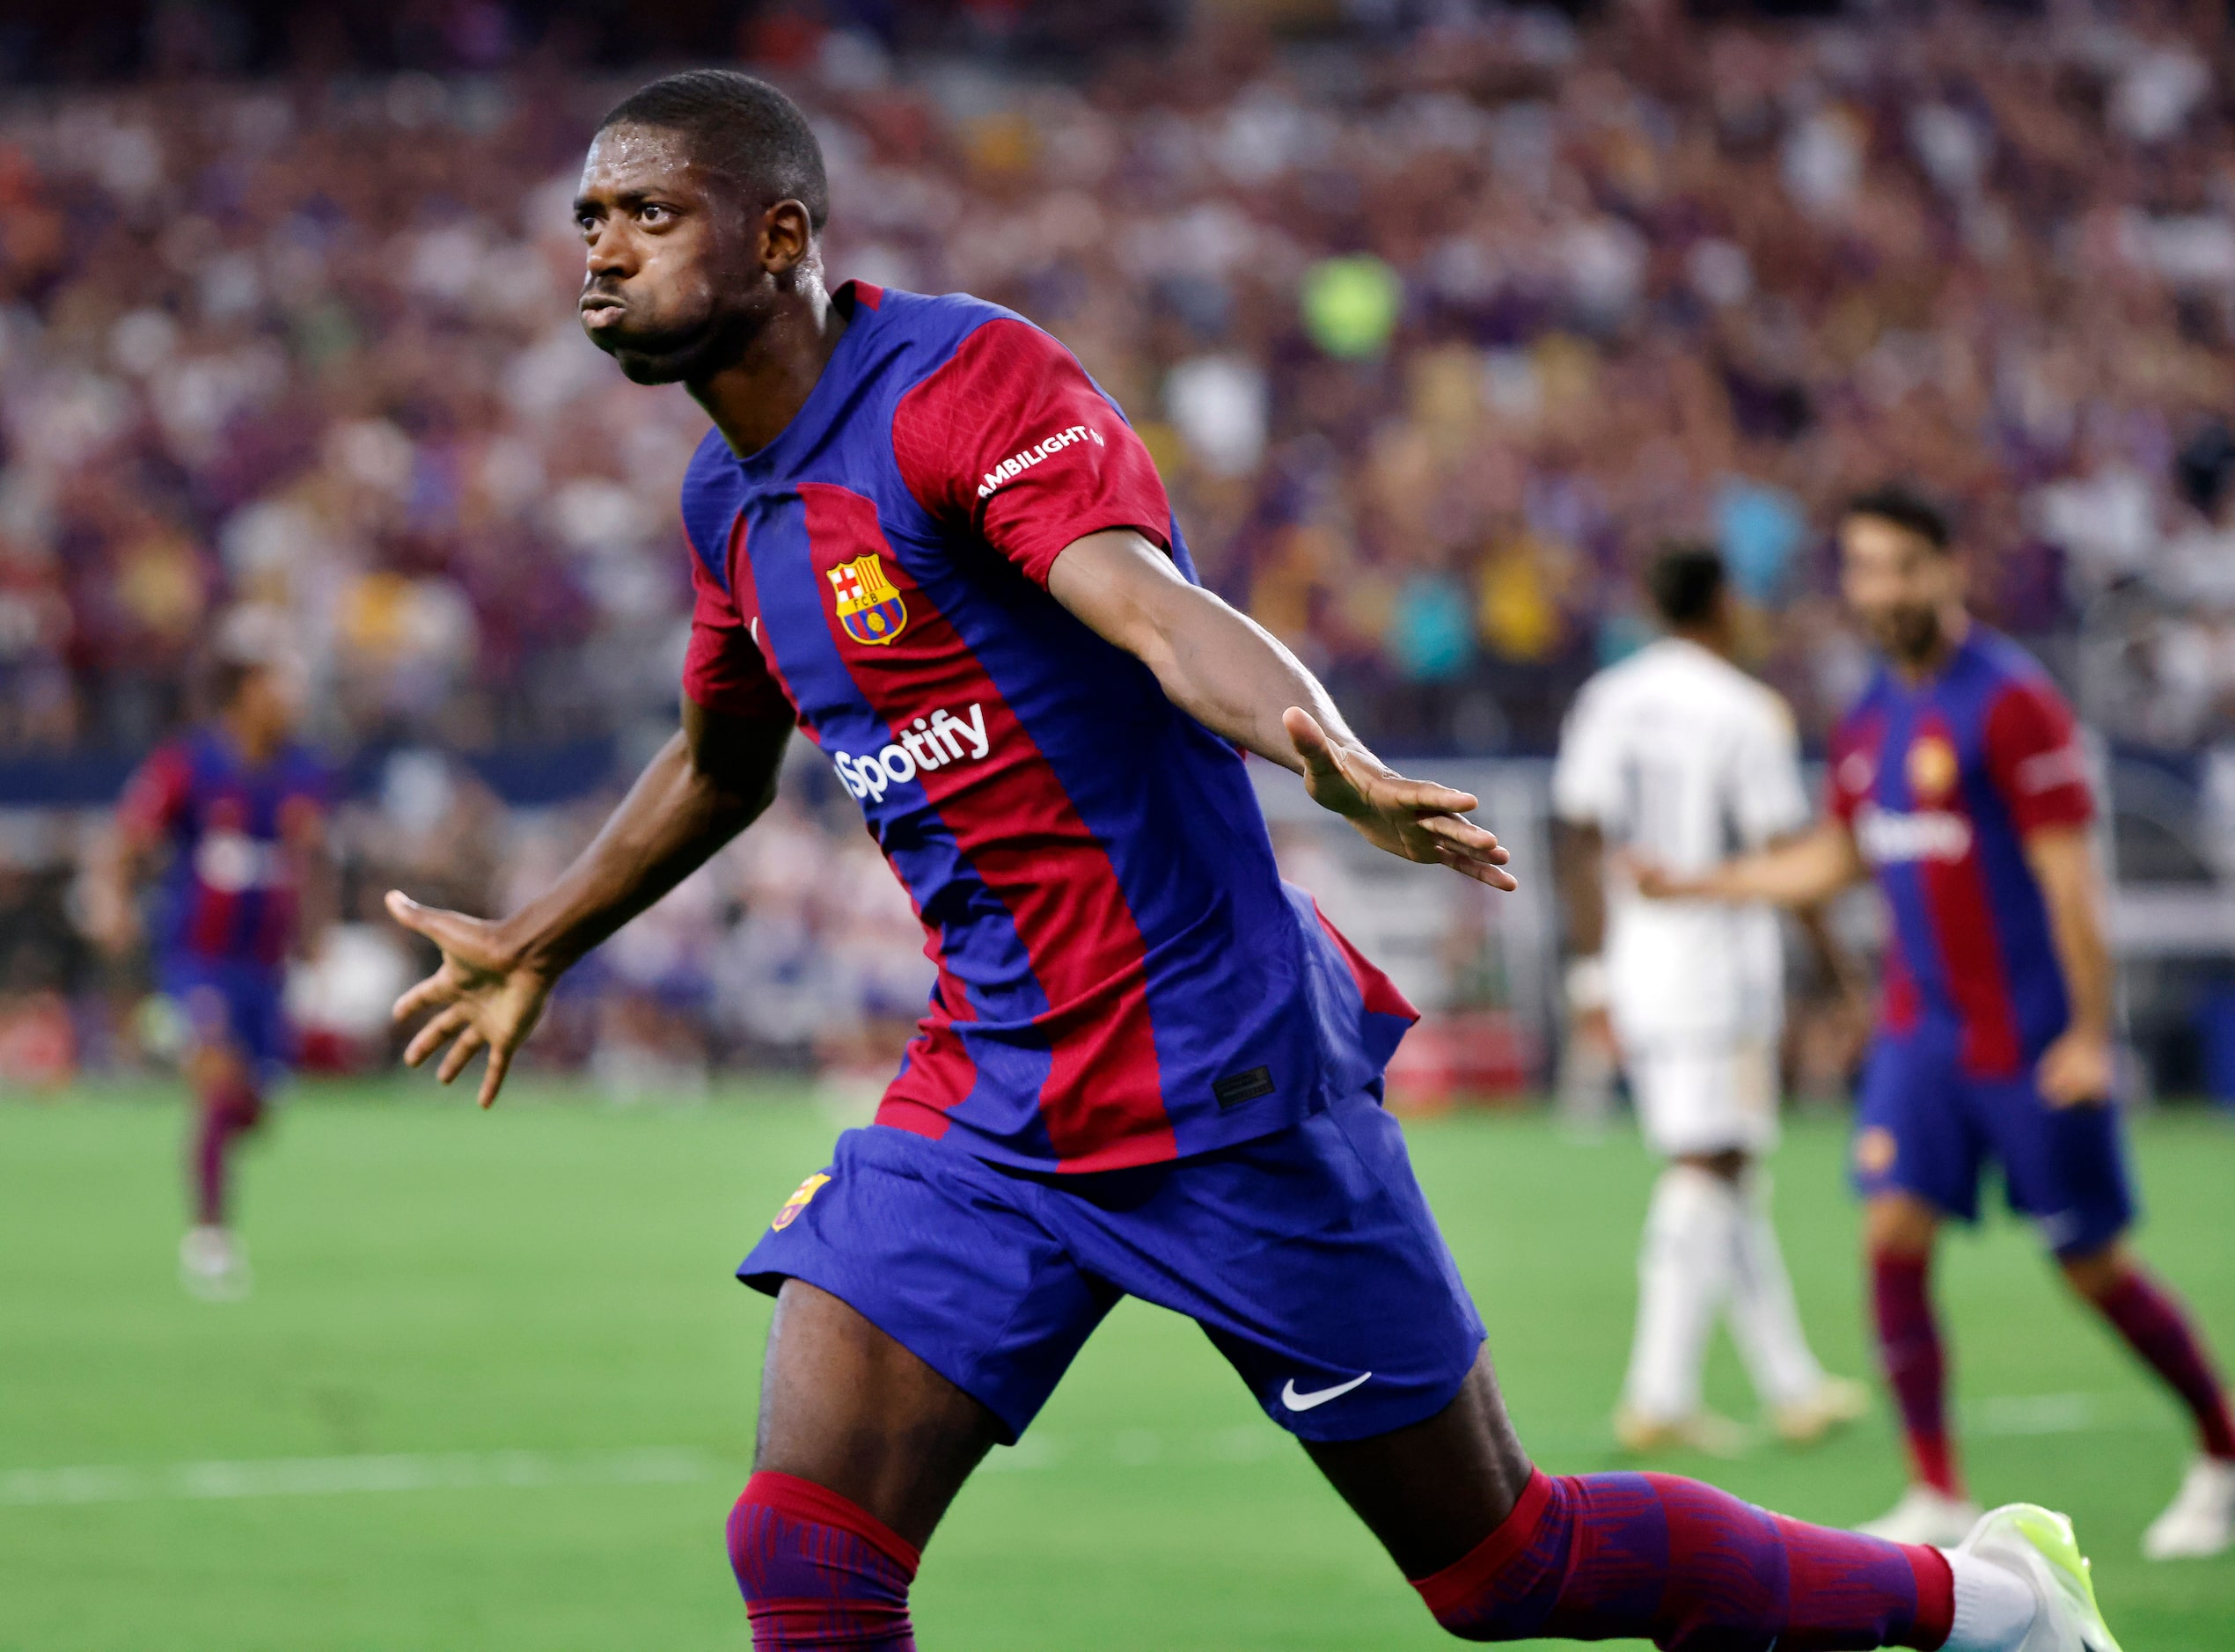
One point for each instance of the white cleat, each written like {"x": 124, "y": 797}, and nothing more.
{"x": 1926, "y": 1515}
{"x": 212, "y": 1265}
{"x": 2200, "y": 1520}
{"x": 2037, "y": 1546}
{"x": 1837, "y": 1402}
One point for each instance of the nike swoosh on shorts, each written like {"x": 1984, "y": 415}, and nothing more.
{"x": 1296, "y": 1401}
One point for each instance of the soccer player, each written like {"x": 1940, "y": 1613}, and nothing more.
{"x": 1677, "y": 755}
{"x": 238, "y": 807}
{"x": 1958, "y": 781}
{"x": 922, "y": 535}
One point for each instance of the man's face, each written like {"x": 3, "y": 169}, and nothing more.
{"x": 1899, "y": 587}
{"x": 674, "y": 287}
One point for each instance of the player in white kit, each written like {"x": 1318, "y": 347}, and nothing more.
{"x": 1677, "y": 755}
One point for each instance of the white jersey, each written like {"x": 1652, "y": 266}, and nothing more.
{"x": 1680, "y": 756}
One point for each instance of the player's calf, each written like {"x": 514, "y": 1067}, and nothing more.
{"x": 817, "y": 1570}
{"x": 1600, "y": 1556}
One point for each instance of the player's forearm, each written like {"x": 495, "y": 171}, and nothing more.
{"x": 1579, "y": 856}
{"x": 1803, "y": 872}
{"x": 2063, "y": 862}
{"x": 673, "y": 819}
{"x": 1218, "y": 665}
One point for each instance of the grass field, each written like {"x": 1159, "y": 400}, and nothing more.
{"x": 495, "y": 1390}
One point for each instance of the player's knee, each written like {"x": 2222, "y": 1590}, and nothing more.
{"x": 2095, "y": 1274}
{"x": 1898, "y": 1226}
{"x": 816, "y": 1568}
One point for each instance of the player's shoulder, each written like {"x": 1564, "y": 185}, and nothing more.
{"x": 2001, "y": 662}
{"x": 918, "y": 333}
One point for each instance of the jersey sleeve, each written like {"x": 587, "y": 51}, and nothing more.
{"x": 1771, "y": 799}
{"x": 2034, "y": 757}
{"x": 723, "y": 668}
{"x": 1586, "y": 775}
{"x": 1010, "y": 439}
{"x": 155, "y": 798}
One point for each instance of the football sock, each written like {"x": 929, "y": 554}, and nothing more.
{"x": 1765, "y": 1321}
{"x": 2157, "y": 1327}
{"x": 1993, "y": 1608}
{"x": 1594, "y": 1557}
{"x": 818, "y": 1571}
{"x": 228, "y": 1112}
{"x": 1683, "y": 1275}
{"x": 1908, "y": 1345}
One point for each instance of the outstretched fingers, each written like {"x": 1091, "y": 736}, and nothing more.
{"x": 469, "y": 1042}
{"x": 436, "y": 1034}
{"x": 493, "y": 1078}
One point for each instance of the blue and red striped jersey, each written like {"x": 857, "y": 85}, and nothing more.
{"x": 234, "y": 831}
{"x": 1122, "y": 976}
{"x": 1940, "y": 784}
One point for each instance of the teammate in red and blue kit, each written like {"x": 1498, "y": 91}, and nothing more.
{"x": 924, "y": 537}
{"x": 236, "y": 809}
{"x": 1959, "y": 783}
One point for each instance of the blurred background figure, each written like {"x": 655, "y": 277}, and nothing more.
{"x": 1677, "y": 755}
{"x": 231, "y": 820}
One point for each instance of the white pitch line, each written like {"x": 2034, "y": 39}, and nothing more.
{"x": 332, "y": 1476}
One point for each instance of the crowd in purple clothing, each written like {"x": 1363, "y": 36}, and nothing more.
{"x": 1435, "y": 334}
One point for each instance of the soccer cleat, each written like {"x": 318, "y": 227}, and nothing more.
{"x": 1926, "y": 1515}
{"x": 1838, "y": 1402}
{"x": 1703, "y": 1431}
{"x": 2037, "y": 1546}
{"x": 212, "y": 1265}
{"x": 2201, "y": 1519}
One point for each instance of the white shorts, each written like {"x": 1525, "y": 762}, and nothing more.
{"x": 1706, "y": 1097}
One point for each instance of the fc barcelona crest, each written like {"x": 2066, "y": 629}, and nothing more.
{"x": 867, "y": 605}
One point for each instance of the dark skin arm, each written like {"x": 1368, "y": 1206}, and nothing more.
{"x": 1235, "y": 677}
{"x": 706, "y": 785}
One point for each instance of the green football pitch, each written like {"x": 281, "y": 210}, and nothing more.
{"x": 495, "y": 1390}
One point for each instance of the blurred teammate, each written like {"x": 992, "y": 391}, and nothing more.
{"x": 1959, "y": 782}
{"x": 1678, "y": 756}
{"x": 236, "y": 809}
{"x": 921, "y": 533}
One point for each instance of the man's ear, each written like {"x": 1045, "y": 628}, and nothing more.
{"x": 787, "y": 238}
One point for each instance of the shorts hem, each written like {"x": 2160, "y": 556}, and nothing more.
{"x": 1300, "y": 1426}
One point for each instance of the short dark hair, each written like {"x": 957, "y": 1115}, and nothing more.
{"x": 1906, "y": 507}
{"x": 1686, "y": 580}
{"x": 742, "y": 129}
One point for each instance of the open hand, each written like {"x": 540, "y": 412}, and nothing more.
{"x": 1417, "y": 820}
{"x": 484, "y": 997}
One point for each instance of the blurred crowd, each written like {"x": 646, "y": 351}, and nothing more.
{"x": 1435, "y": 327}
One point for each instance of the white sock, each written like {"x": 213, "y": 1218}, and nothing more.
{"x": 1765, "y": 1321}
{"x": 1994, "y": 1607}
{"x": 1683, "y": 1274}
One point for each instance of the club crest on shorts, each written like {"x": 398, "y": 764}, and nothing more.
{"x": 1932, "y": 767}
{"x": 798, "y": 1201}
{"x": 868, "y": 605}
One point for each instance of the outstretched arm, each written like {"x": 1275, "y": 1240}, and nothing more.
{"x": 1234, "y": 677}
{"x": 1802, "y": 870}
{"x": 704, "y": 787}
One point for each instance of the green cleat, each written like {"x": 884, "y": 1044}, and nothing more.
{"x": 2037, "y": 1544}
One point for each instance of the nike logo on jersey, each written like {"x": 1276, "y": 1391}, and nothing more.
{"x": 933, "y": 743}
{"x": 1296, "y": 1401}
{"x": 1886, "y": 838}
{"x": 1015, "y": 465}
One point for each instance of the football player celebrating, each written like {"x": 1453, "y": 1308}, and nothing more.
{"x": 922, "y": 537}
{"x": 1959, "y": 783}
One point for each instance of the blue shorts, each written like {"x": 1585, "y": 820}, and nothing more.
{"x": 1925, "y": 1127}
{"x": 234, "y": 1005}
{"x": 1308, "y": 1256}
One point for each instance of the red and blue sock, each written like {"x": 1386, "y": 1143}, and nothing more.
{"x": 818, "y": 1571}
{"x": 2156, "y": 1327}
{"x": 1593, "y": 1557}
{"x": 229, "y": 1110}
{"x": 1916, "y": 1369}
